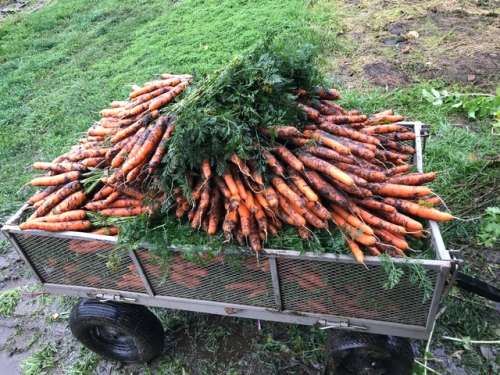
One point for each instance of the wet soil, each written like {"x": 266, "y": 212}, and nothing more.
{"x": 403, "y": 42}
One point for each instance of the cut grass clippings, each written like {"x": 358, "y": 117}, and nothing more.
{"x": 8, "y": 301}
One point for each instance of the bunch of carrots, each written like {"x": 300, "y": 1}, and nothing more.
{"x": 127, "y": 144}
{"x": 342, "y": 168}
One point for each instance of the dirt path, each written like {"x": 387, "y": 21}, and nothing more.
{"x": 395, "y": 43}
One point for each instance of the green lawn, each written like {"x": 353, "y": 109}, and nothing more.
{"x": 60, "y": 65}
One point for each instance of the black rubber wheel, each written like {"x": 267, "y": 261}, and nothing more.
{"x": 117, "y": 331}
{"x": 353, "y": 353}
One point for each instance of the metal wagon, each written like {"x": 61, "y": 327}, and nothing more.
{"x": 340, "y": 294}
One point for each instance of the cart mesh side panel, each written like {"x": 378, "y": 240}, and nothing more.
{"x": 79, "y": 262}
{"x": 351, "y": 290}
{"x": 229, "y": 279}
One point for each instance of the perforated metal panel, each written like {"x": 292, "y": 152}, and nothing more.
{"x": 79, "y": 262}
{"x": 350, "y": 290}
{"x": 231, "y": 279}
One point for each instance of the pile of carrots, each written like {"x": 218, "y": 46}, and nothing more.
{"x": 127, "y": 144}
{"x": 343, "y": 168}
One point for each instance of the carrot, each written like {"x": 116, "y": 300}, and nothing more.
{"x": 399, "y": 191}
{"x": 43, "y": 194}
{"x": 390, "y": 155}
{"x": 59, "y": 167}
{"x": 403, "y": 220}
{"x": 56, "y": 180}
{"x": 118, "y": 104}
{"x": 131, "y": 192}
{"x": 77, "y": 225}
{"x": 92, "y": 153}
{"x": 240, "y": 164}
{"x": 112, "y": 112}
{"x": 408, "y": 136}
{"x": 373, "y": 251}
{"x": 147, "y": 148}
{"x": 304, "y": 233}
{"x": 398, "y": 170}
{"x": 161, "y": 150}
{"x": 356, "y": 251}
{"x": 344, "y": 131}
{"x": 322, "y": 166}
{"x": 310, "y": 217}
{"x": 367, "y": 174}
{"x": 166, "y": 98}
{"x": 214, "y": 212}
{"x": 327, "y": 94}
{"x": 327, "y": 140}
{"x": 106, "y": 231}
{"x": 206, "y": 170}
{"x": 327, "y": 153}
{"x": 325, "y": 189}
{"x": 273, "y": 163}
{"x": 285, "y": 190}
{"x": 291, "y": 213}
{"x": 392, "y": 239}
{"x": 66, "y": 216}
{"x": 282, "y": 131}
{"x": 101, "y": 131}
{"x": 289, "y": 158}
{"x": 103, "y": 193}
{"x": 129, "y": 211}
{"x": 255, "y": 174}
{"x": 417, "y": 210}
{"x": 125, "y": 202}
{"x": 356, "y": 234}
{"x": 57, "y": 197}
{"x": 254, "y": 238}
{"x": 271, "y": 196}
{"x": 134, "y": 173}
{"x": 242, "y": 192}
{"x": 375, "y": 205}
{"x": 357, "y": 191}
{"x": 184, "y": 77}
{"x": 230, "y": 222}
{"x": 337, "y": 108}
{"x": 91, "y": 162}
{"x": 70, "y": 203}
{"x": 142, "y": 122}
{"x": 319, "y": 210}
{"x": 413, "y": 179}
{"x": 430, "y": 202}
{"x": 311, "y": 113}
{"x": 141, "y": 99}
{"x": 244, "y": 214}
{"x": 344, "y": 119}
{"x": 377, "y": 222}
{"x": 405, "y": 149}
{"x": 383, "y": 118}
{"x": 231, "y": 184}
{"x": 222, "y": 187}
{"x": 154, "y": 86}
{"x": 382, "y": 129}
{"x": 304, "y": 187}
{"x": 202, "y": 207}
{"x": 352, "y": 220}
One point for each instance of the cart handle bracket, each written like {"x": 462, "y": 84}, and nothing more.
{"x": 339, "y": 324}
{"x": 103, "y": 297}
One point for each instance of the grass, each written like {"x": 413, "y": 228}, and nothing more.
{"x": 85, "y": 364}
{"x": 8, "y": 301}
{"x": 40, "y": 362}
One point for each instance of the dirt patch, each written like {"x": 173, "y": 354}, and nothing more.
{"x": 398, "y": 42}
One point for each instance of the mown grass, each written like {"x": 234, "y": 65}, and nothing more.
{"x": 8, "y": 301}
{"x": 40, "y": 362}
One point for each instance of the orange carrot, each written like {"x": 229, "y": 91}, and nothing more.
{"x": 322, "y": 166}
{"x": 77, "y": 225}
{"x": 70, "y": 203}
{"x": 392, "y": 239}
{"x": 418, "y": 210}
{"x": 325, "y": 189}
{"x": 413, "y": 178}
{"x": 399, "y": 191}
{"x": 244, "y": 214}
{"x": 344, "y": 131}
{"x": 367, "y": 174}
{"x": 289, "y": 158}
{"x": 59, "y": 167}
{"x": 304, "y": 187}
{"x": 356, "y": 234}
{"x": 403, "y": 220}
{"x": 202, "y": 207}
{"x": 327, "y": 94}
{"x": 285, "y": 190}
{"x": 154, "y": 86}
{"x": 375, "y": 205}
{"x": 356, "y": 251}
{"x": 129, "y": 211}
{"x": 240, "y": 164}
{"x": 125, "y": 202}
{"x": 311, "y": 113}
{"x": 214, "y": 212}
{"x": 166, "y": 98}
{"x": 43, "y": 194}
{"x": 294, "y": 216}
{"x": 398, "y": 170}
{"x": 56, "y": 180}
{"x": 106, "y": 231}
{"x": 352, "y": 220}
{"x": 344, "y": 119}
{"x": 327, "y": 153}
{"x": 273, "y": 163}
{"x": 161, "y": 150}
{"x": 66, "y": 216}
{"x": 327, "y": 139}
{"x": 56, "y": 198}
{"x": 382, "y": 129}
{"x": 377, "y": 222}
{"x": 230, "y": 222}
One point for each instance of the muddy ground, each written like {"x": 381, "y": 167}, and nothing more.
{"x": 392, "y": 43}
{"x": 396, "y": 43}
